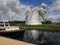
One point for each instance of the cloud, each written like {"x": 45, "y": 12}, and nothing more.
{"x": 54, "y": 18}
{"x": 54, "y": 11}
{"x": 13, "y": 9}
{"x": 55, "y": 6}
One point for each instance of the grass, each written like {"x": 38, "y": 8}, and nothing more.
{"x": 44, "y": 27}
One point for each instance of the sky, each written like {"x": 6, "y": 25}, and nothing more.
{"x": 36, "y": 2}
{"x": 16, "y": 9}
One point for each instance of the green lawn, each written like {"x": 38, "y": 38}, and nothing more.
{"x": 44, "y": 27}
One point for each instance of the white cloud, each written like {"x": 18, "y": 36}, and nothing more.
{"x": 13, "y": 9}
{"x": 54, "y": 18}
{"x": 54, "y": 11}
{"x": 56, "y": 6}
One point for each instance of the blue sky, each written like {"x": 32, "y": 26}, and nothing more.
{"x": 16, "y": 9}
{"x": 53, "y": 12}
{"x": 36, "y": 2}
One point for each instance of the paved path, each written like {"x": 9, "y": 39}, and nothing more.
{"x": 8, "y": 41}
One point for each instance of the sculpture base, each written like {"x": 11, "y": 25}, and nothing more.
{"x": 34, "y": 24}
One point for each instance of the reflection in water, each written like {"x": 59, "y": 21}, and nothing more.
{"x": 50, "y": 38}
{"x": 35, "y": 36}
{"x": 53, "y": 38}
{"x": 31, "y": 36}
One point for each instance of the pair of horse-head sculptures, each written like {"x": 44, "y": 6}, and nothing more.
{"x": 33, "y": 16}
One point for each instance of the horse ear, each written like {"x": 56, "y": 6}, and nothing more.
{"x": 43, "y": 4}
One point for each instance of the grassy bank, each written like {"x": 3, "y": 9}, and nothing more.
{"x": 47, "y": 26}
{"x": 44, "y": 27}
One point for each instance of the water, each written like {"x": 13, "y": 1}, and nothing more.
{"x": 51, "y": 39}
